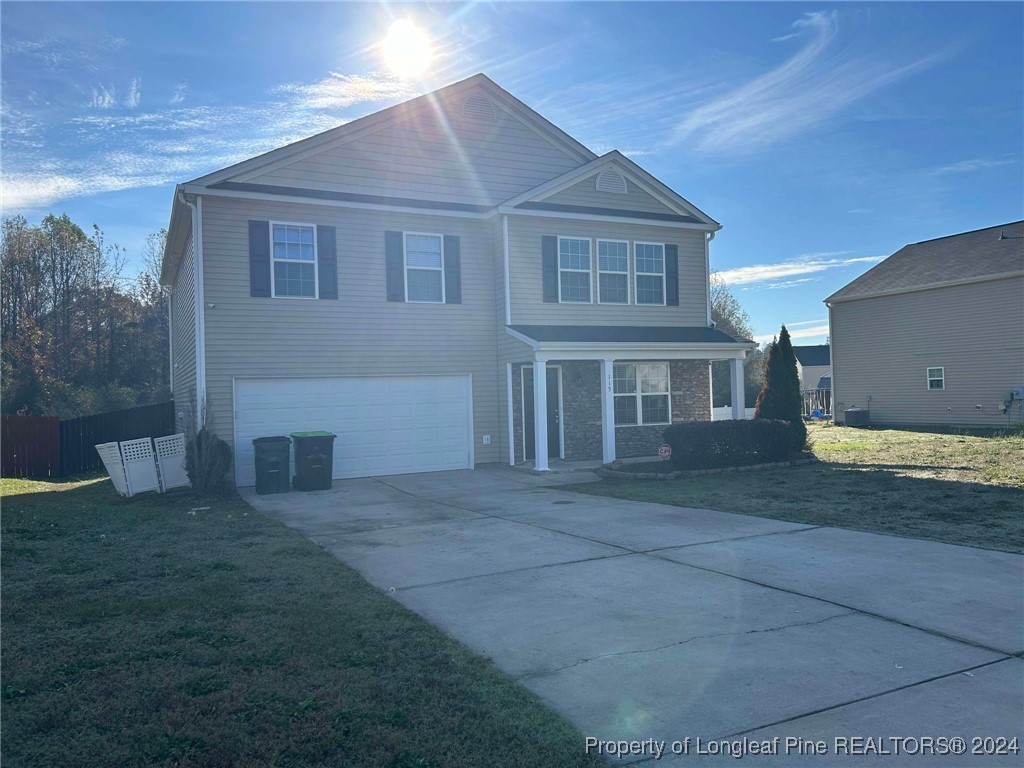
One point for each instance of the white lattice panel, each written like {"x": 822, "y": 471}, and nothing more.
{"x": 170, "y": 458}
{"x": 139, "y": 465}
{"x": 111, "y": 456}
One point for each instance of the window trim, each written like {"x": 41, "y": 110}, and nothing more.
{"x": 940, "y": 378}
{"x": 597, "y": 256}
{"x": 405, "y": 267}
{"x": 316, "y": 261}
{"x": 662, "y": 274}
{"x": 590, "y": 272}
{"x": 638, "y": 395}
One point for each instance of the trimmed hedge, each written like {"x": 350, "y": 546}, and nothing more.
{"x": 712, "y": 444}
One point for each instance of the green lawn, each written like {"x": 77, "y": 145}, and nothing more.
{"x": 170, "y": 631}
{"x": 957, "y": 488}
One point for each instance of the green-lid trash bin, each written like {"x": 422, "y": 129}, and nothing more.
{"x": 314, "y": 459}
{"x": 272, "y": 458}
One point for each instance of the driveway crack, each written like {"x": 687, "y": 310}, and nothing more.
{"x": 684, "y": 642}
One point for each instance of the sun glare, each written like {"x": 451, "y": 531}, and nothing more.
{"x": 407, "y": 49}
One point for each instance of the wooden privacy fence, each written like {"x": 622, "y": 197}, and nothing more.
{"x": 79, "y": 437}
{"x": 37, "y": 446}
{"x": 29, "y": 446}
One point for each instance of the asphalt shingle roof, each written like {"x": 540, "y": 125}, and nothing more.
{"x": 983, "y": 252}
{"x": 813, "y": 354}
{"x": 624, "y": 334}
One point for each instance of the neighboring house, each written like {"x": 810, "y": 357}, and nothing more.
{"x": 447, "y": 282}
{"x": 934, "y": 335}
{"x": 812, "y": 362}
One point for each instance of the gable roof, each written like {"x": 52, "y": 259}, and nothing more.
{"x": 406, "y": 109}
{"x": 685, "y": 211}
{"x": 965, "y": 257}
{"x": 814, "y": 354}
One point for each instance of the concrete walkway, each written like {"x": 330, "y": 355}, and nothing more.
{"x": 648, "y": 622}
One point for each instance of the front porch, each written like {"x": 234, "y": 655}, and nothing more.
{"x": 577, "y": 402}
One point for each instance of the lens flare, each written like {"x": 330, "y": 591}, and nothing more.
{"x": 407, "y": 49}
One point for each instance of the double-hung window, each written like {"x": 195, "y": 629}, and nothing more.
{"x": 574, "y": 270}
{"x": 650, "y": 273}
{"x": 613, "y": 271}
{"x": 424, "y": 268}
{"x": 936, "y": 378}
{"x": 641, "y": 394}
{"x": 294, "y": 256}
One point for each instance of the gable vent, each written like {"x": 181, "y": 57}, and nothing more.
{"x": 478, "y": 107}
{"x": 611, "y": 181}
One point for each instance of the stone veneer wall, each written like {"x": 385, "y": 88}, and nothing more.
{"x": 581, "y": 403}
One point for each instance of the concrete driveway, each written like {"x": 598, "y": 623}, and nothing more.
{"x": 647, "y": 622}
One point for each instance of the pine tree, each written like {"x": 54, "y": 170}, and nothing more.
{"x": 780, "y": 396}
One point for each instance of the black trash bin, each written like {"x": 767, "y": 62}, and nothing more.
{"x": 314, "y": 457}
{"x": 272, "y": 455}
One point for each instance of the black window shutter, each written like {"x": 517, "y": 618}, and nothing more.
{"x": 394, "y": 258}
{"x": 327, "y": 262}
{"x": 549, "y": 267}
{"x": 452, "y": 270}
{"x": 672, "y": 275}
{"x": 259, "y": 258}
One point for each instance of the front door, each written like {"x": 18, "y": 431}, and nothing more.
{"x": 554, "y": 412}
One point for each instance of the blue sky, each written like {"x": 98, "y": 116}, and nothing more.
{"x": 823, "y": 136}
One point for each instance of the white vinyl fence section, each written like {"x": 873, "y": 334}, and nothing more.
{"x": 111, "y": 456}
{"x": 170, "y": 458}
{"x": 725, "y": 413}
{"x": 139, "y": 465}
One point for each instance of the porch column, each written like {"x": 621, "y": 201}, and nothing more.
{"x": 540, "y": 414}
{"x": 607, "y": 410}
{"x": 736, "y": 383}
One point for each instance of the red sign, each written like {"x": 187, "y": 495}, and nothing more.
{"x": 665, "y": 451}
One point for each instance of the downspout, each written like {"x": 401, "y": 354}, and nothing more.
{"x": 195, "y": 202}
{"x": 707, "y": 271}
{"x": 508, "y": 298}
{"x": 170, "y": 340}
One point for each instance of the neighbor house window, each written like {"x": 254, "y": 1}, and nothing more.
{"x": 650, "y": 273}
{"x": 574, "y": 270}
{"x": 936, "y": 378}
{"x": 294, "y": 256}
{"x": 613, "y": 271}
{"x": 641, "y": 393}
{"x": 424, "y": 268}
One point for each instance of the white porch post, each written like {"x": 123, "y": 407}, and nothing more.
{"x": 736, "y": 383}
{"x": 540, "y": 414}
{"x": 607, "y": 410}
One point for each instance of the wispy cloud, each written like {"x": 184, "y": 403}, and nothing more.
{"x": 811, "y": 86}
{"x": 146, "y": 148}
{"x": 179, "y": 93}
{"x": 976, "y": 164}
{"x": 860, "y": 210}
{"x": 338, "y": 91}
{"x": 806, "y": 264}
{"x": 788, "y": 283}
{"x": 819, "y": 329}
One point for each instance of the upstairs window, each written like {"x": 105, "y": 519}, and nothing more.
{"x": 574, "y": 270}
{"x": 424, "y": 268}
{"x": 641, "y": 394}
{"x": 613, "y": 271}
{"x": 650, "y": 273}
{"x": 936, "y": 378}
{"x": 294, "y": 260}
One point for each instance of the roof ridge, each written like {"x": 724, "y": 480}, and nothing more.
{"x": 968, "y": 232}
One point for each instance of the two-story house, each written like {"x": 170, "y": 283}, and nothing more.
{"x": 450, "y": 281}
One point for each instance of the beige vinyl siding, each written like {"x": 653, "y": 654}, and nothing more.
{"x": 585, "y": 193}
{"x": 457, "y": 159}
{"x": 883, "y": 346}
{"x": 810, "y": 375}
{"x": 183, "y": 335}
{"x": 529, "y": 308}
{"x": 360, "y": 333}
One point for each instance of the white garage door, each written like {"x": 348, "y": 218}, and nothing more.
{"x": 385, "y": 425}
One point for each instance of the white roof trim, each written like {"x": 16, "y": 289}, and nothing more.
{"x": 926, "y": 287}
{"x": 665, "y": 350}
{"x": 630, "y": 170}
{"x": 600, "y": 217}
{"x": 377, "y": 121}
